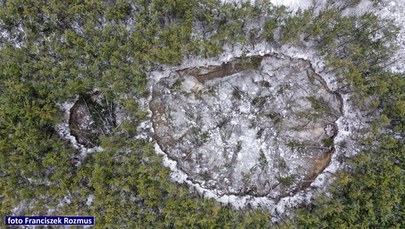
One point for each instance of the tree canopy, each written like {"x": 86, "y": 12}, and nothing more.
{"x": 51, "y": 51}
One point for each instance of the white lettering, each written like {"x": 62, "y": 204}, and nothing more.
{"x": 68, "y": 221}
{"x": 13, "y": 221}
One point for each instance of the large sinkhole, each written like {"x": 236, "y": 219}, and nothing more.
{"x": 257, "y": 125}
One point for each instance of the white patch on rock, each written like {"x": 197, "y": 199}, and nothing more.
{"x": 347, "y": 125}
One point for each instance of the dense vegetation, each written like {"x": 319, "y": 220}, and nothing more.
{"x": 52, "y": 50}
{"x": 371, "y": 193}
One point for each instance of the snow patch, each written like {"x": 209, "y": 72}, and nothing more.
{"x": 63, "y": 130}
{"x": 347, "y": 125}
{"x": 294, "y": 4}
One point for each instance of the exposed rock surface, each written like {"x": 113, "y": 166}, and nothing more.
{"x": 260, "y": 125}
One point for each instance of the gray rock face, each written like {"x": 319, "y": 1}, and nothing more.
{"x": 260, "y": 125}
